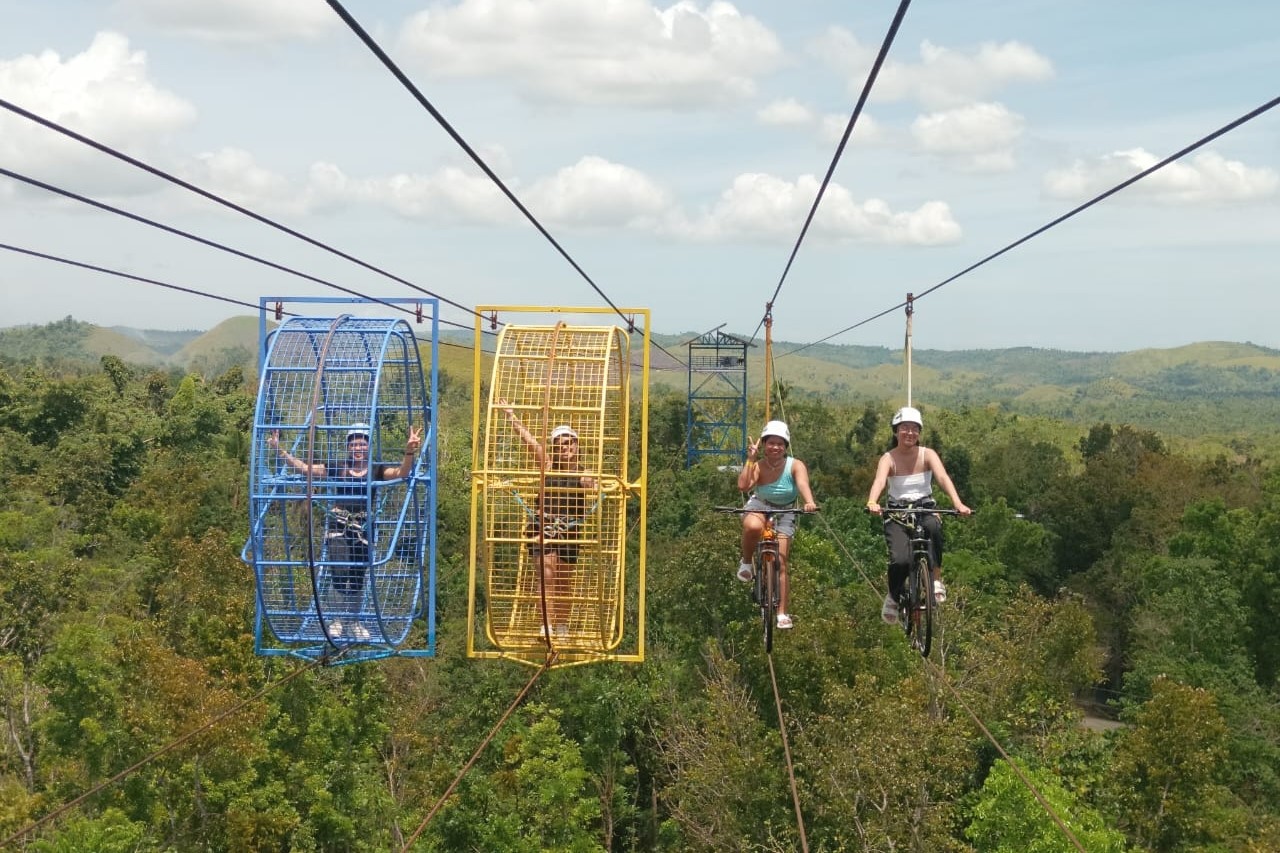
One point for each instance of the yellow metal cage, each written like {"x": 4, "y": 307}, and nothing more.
{"x": 545, "y": 377}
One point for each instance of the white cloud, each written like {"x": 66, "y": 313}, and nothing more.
{"x": 1207, "y": 177}
{"x": 829, "y": 129}
{"x": 591, "y": 193}
{"x": 233, "y": 174}
{"x": 786, "y": 112}
{"x": 449, "y": 196}
{"x": 585, "y": 51}
{"x": 237, "y": 20}
{"x": 943, "y": 78}
{"x": 103, "y": 93}
{"x": 975, "y": 138}
{"x": 594, "y": 192}
{"x": 761, "y": 206}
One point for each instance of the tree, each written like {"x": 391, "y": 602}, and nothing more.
{"x": 536, "y": 798}
{"x": 1167, "y": 771}
{"x": 1008, "y": 818}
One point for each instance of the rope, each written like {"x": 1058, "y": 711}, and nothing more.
{"x": 940, "y": 676}
{"x": 480, "y": 749}
{"x": 786, "y": 750}
{"x": 946, "y": 682}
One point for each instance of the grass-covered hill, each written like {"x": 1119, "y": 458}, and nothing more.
{"x": 1226, "y": 392}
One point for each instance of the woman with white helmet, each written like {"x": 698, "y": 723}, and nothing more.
{"x": 909, "y": 470}
{"x": 776, "y": 481}
{"x": 347, "y": 523}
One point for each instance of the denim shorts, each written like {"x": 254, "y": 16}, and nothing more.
{"x": 785, "y": 523}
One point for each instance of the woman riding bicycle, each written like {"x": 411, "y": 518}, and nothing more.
{"x": 909, "y": 469}
{"x": 776, "y": 482}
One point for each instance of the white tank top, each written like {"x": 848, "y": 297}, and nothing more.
{"x": 911, "y": 487}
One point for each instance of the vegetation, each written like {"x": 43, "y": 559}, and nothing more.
{"x": 1106, "y": 571}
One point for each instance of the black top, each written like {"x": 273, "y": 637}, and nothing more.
{"x": 352, "y": 492}
{"x": 565, "y": 497}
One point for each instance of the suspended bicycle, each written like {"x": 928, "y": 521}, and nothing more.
{"x": 766, "y": 563}
{"x": 916, "y": 604}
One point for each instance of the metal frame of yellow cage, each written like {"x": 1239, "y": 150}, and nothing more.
{"x": 530, "y": 367}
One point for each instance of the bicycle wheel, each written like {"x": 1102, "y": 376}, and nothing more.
{"x": 768, "y": 596}
{"x": 920, "y": 615}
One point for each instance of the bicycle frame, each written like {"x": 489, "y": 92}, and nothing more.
{"x": 916, "y": 607}
{"x": 767, "y": 562}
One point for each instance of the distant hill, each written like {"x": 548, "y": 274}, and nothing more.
{"x": 162, "y": 342}
{"x": 1212, "y": 387}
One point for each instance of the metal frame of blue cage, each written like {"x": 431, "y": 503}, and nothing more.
{"x": 274, "y": 305}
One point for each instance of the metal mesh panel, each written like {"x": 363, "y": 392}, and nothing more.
{"x": 549, "y": 376}
{"x": 339, "y": 560}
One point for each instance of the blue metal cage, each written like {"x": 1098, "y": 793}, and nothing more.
{"x": 343, "y": 563}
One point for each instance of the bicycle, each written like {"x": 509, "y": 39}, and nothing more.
{"x": 766, "y": 564}
{"x": 916, "y": 604}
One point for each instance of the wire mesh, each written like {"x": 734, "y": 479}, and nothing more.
{"x": 339, "y": 552}
{"x": 551, "y": 376}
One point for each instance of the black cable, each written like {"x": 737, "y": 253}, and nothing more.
{"x": 844, "y": 140}
{"x": 33, "y": 253}
{"x": 211, "y": 243}
{"x": 1205, "y": 140}
{"x": 471, "y": 152}
{"x": 106, "y": 149}
{"x": 205, "y": 294}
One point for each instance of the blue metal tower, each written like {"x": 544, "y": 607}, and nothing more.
{"x": 716, "y": 427}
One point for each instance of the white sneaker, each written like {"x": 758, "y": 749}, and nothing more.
{"x": 359, "y": 631}
{"x": 784, "y": 621}
{"x": 335, "y": 629}
{"x": 746, "y": 573}
{"x": 939, "y": 591}
{"x": 889, "y": 611}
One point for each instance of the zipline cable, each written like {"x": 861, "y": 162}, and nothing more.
{"x": 462, "y": 143}
{"x": 159, "y": 173}
{"x": 413, "y": 90}
{"x": 1035, "y": 792}
{"x": 551, "y": 656}
{"x": 198, "y": 239}
{"x": 33, "y": 253}
{"x": 786, "y": 751}
{"x": 940, "y": 675}
{"x": 1200, "y": 143}
{"x": 844, "y": 140}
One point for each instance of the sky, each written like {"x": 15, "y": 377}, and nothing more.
{"x": 674, "y": 151}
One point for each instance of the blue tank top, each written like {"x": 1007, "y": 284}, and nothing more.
{"x": 782, "y": 491}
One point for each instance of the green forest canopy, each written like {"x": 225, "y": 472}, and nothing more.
{"x": 1104, "y": 570}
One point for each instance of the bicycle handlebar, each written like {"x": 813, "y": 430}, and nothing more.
{"x": 738, "y": 510}
{"x": 915, "y": 510}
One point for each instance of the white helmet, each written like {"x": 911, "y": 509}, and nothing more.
{"x": 563, "y": 429}
{"x": 778, "y": 428}
{"x": 361, "y": 430}
{"x": 907, "y": 414}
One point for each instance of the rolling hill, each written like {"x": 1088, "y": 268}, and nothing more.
{"x": 1221, "y": 387}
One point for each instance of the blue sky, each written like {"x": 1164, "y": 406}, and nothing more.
{"x": 674, "y": 150}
